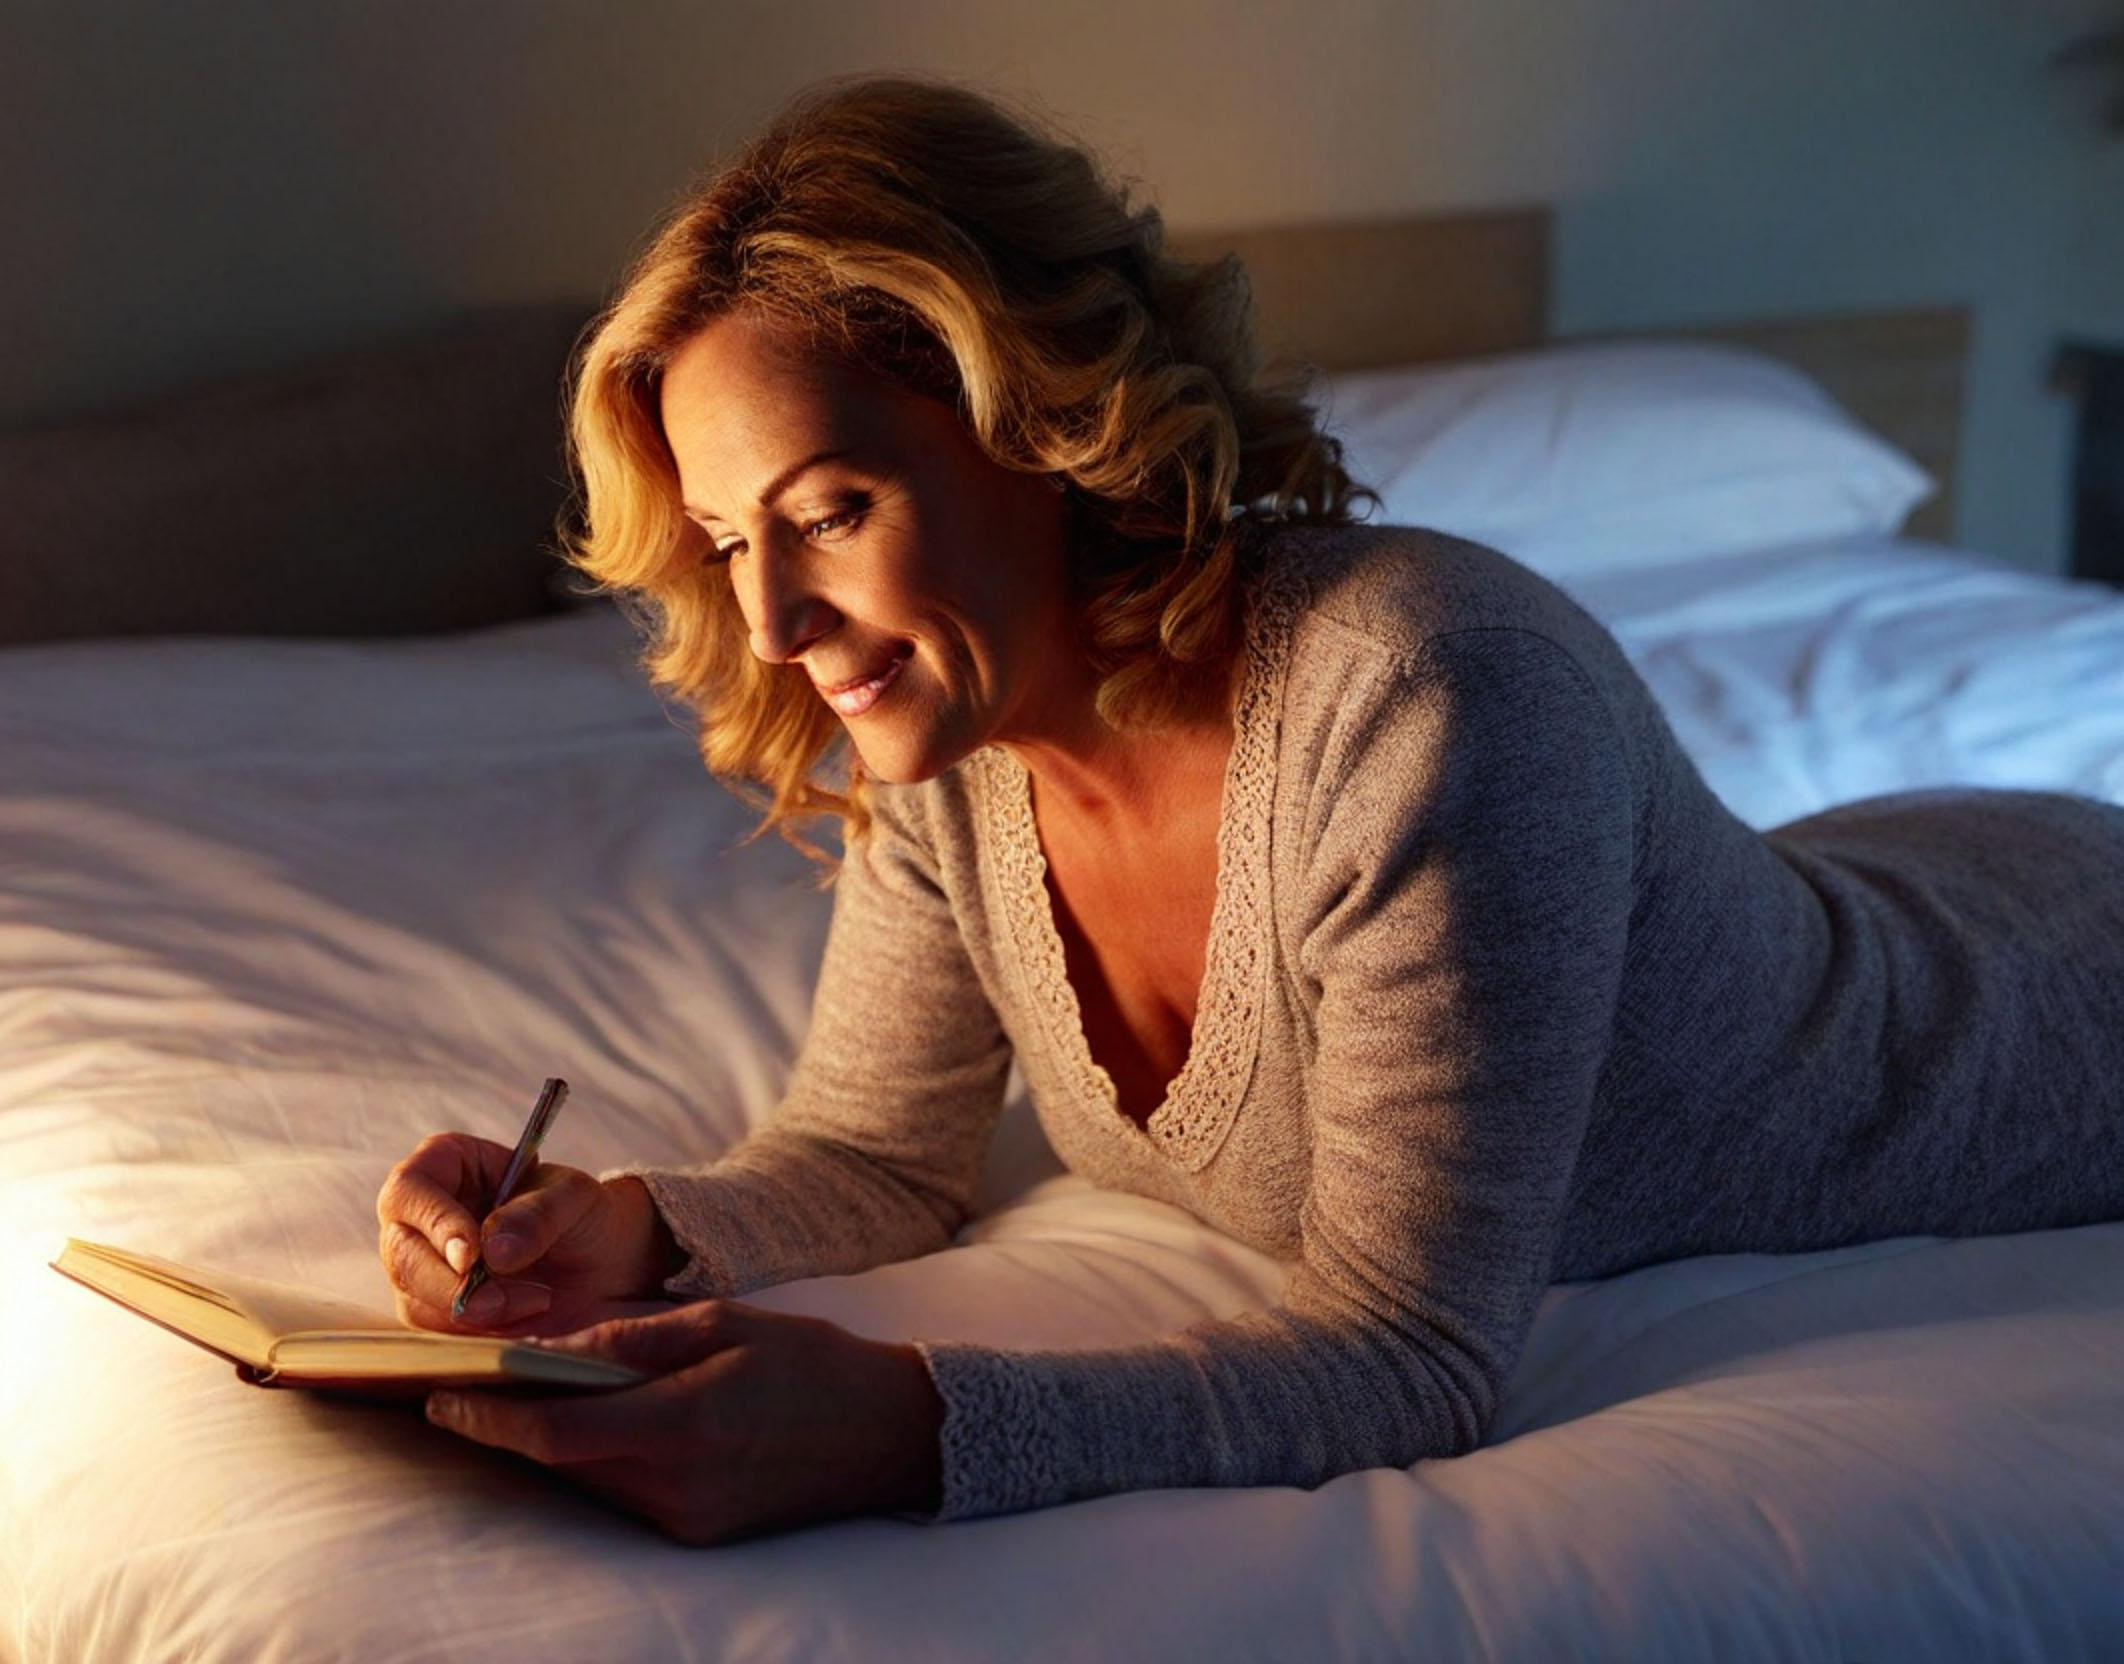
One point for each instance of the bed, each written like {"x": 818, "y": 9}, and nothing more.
{"x": 271, "y": 908}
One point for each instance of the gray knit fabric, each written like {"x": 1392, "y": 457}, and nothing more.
{"x": 1497, "y": 993}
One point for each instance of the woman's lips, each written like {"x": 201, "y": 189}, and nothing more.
{"x": 855, "y": 697}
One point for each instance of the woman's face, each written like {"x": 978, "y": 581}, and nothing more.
{"x": 869, "y": 540}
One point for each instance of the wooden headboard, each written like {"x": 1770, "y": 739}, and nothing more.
{"x": 1365, "y": 294}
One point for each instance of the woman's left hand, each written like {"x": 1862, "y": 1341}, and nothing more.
{"x": 754, "y": 1422}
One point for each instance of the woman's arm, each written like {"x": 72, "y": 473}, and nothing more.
{"x": 874, "y": 1151}
{"x": 1464, "y": 907}
{"x": 872, "y": 1156}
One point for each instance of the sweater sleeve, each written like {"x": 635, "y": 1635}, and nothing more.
{"x": 874, "y": 1151}
{"x": 1463, "y": 897}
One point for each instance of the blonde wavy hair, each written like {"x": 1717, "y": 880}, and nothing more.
{"x": 924, "y": 233}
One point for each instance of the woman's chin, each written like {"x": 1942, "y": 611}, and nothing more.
{"x": 901, "y": 759}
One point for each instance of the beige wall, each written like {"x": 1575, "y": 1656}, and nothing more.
{"x": 209, "y": 187}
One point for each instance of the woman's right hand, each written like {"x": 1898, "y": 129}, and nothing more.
{"x": 558, "y": 1253}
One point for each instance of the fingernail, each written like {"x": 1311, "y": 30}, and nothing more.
{"x": 505, "y": 1250}
{"x": 459, "y": 1253}
{"x": 442, "y": 1408}
{"x": 485, "y": 1303}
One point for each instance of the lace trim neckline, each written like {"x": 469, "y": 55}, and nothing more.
{"x": 1200, "y": 1103}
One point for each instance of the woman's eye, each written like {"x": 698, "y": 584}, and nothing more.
{"x": 837, "y": 524}
{"x": 825, "y": 528}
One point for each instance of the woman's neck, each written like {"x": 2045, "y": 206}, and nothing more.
{"x": 1114, "y": 779}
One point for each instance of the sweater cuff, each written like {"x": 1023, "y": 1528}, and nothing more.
{"x": 998, "y": 1445}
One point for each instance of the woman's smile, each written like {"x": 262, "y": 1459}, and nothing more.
{"x": 857, "y": 695}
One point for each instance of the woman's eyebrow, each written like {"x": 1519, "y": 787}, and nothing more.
{"x": 781, "y": 482}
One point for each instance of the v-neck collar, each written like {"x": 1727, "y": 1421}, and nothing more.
{"x": 1191, "y": 1123}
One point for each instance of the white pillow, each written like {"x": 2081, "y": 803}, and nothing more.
{"x": 1618, "y": 455}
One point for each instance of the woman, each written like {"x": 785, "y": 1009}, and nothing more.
{"x": 1340, "y": 884}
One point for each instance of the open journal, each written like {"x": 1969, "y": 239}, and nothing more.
{"x": 278, "y": 1336}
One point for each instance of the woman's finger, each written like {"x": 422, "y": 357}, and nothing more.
{"x": 560, "y": 1431}
{"x": 415, "y": 1201}
{"x": 553, "y": 1202}
{"x": 498, "y": 1308}
{"x": 426, "y": 1288}
{"x": 435, "y": 1189}
{"x": 503, "y": 1308}
{"x": 416, "y": 1270}
{"x": 660, "y": 1342}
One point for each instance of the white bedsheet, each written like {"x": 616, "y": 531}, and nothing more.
{"x": 269, "y": 911}
{"x": 1807, "y": 676}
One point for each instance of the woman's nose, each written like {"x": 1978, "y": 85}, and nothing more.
{"x": 783, "y": 613}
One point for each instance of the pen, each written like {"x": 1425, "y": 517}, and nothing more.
{"x": 521, "y": 1160}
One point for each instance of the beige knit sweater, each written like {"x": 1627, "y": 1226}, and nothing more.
{"x": 1497, "y": 993}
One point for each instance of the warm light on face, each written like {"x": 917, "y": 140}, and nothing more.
{"x": 870, "y": 541}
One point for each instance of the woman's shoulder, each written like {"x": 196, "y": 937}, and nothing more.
{"x": 1407, "y": 638}
{"x": 1396, "y": 590}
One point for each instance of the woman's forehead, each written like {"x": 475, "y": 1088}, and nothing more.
{"x": 743, "y": 401}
